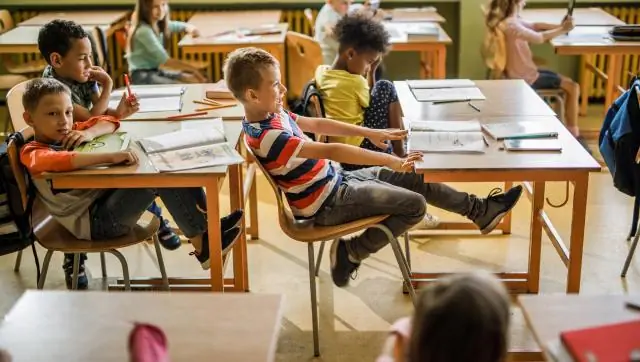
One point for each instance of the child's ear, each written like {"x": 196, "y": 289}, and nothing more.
{"x": 351, "y": 53}
{"x": 27, "y": 118}
{"x": 55, "y": 59}
{"x": 251, "y": 95}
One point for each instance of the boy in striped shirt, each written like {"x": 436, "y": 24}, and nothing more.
{"x": 315, "y": 188}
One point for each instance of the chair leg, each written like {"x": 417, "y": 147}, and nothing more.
{"x": 125, "y": 268}
{"x": 314, "y": 302}
{"x": 163, "y": 271}
{"x": 561, "y": 112}
{"x": 103, "y": 265}
{"x": 320, "y": 252}
{"x": 16, "y": 267}
{"x": 627, "y": 261}
{"x": 76, "y": 270}
{"x": 45, "y": 268}
{"x": 402, "y": 262}
{"x": 407, "y": 250}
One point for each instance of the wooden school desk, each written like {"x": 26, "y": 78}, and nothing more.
{"x": 572, "y": 164}
{"x": 589, "y": 41}
{"x": 212, "y": 23}
{"x": 433, "y": 51}
{"x": 144, "y": 175}
{"x": 193, "y": 92}
{"x": 24, "y": 39}
{"x": 107, "y": 18}
{"x": 548, "y": 315}
{"x": 56, "y": 326}
{"x": 581, "y": 16}
{"x": 428, "y": 14}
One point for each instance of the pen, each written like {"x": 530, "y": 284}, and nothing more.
{"x": 128, "y": 84}
{"x": 473, "y": 106}
{"x": 484, "y": 139}
{"x": 452, "y": 101}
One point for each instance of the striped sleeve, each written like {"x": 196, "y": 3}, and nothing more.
{"x": 279, "y": 148}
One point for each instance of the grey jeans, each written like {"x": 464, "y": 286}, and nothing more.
{"x": 119, "y": 210}
{"x": 378, "y": 191}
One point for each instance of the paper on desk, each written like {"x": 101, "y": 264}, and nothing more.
{"x": 182, "y": 139}
{"x": 448, "y": 94}
{"x": 440, "y": 83}
{"x": 163, "y": 104}
{"x": 236, "y": 38}
{"x": 449, "y": 142}
{"x": 147, "y": 92}
{"x": 195, "y": 157}
{"x": 445, "y": 126}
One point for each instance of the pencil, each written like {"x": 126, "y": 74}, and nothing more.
{"x": 214, "y": 107}
{"x": 212, "y": 101}
{"x": 179, "y": 116}
{"x": 205, "y": 103}
{"x": 473, "y": 106}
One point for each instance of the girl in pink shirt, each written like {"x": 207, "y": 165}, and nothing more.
{"x": 460, "y": 318}
{"x": 503, "y": 19}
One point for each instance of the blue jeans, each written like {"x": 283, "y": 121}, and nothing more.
{"x": 380, "y": 191}
{"x": 116, "y": 213}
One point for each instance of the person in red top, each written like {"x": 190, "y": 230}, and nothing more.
{"x": 97, "y": 214}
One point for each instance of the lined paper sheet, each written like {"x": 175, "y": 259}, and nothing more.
{"x": 146, "y": 92}
{"x": 458, "y": 142}
{"x": 448, "y": 94}
{"x": 445, "y": 126}
{"x": 163, "y": 104}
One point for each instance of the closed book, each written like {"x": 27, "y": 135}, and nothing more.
{"x": 520, "y": 130}
{"x": 219, "y": 91}
{"x": 612, "y": 342}
{"x": 532, "y": 145}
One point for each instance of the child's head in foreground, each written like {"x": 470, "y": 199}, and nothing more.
{"x": 48, "y": 109}
{"x": 65, "y": 45}
{"x": 253, "y": 77}
{"x": 461, "y": 318}
{"x": 363, "y": 40}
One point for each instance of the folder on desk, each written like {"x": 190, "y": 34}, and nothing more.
{"x": 613, "y": 342}
{"x": 520, "y": 130}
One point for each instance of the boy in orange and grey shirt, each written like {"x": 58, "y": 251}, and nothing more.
{"x": 97, "y": 214}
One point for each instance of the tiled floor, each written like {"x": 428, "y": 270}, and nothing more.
{"x": 353, "y": 320}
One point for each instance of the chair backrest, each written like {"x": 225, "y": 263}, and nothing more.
{"x": 100, "y": 50}
{"x": 6, "y": 21}
{"x": 14, "y": 104}
{"x": 308, "y": 14}
{"x": 303, "y": 57}
{"x": 285, "y": 217}
{"x": 19, "y": 172}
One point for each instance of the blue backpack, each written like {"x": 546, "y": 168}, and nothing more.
{"x": 619, "y": 144}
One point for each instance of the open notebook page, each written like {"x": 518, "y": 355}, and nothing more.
{"x": 195, "y": 157}
{"x": 183, "y": 139}
{"x": 164, "y": 104}
{"x": 445, "y": 126}
{"x": 150, "y": 92}
{"x": 440, "y": 83}
{"x": 448, "y": 94}
{"x": 456, "y": 142}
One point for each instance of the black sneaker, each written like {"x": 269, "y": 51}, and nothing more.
{"x": 497, "y": 205}
{"x": 232, "y": 220}
{"x": 67, "y": 266}
{"x": 168, "y": 238}
{"x": 341, "y": 267}
{"x": 229, "y": 239}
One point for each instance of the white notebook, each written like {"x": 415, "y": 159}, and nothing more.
{"x": 151, "y": 92}
{"x": 520, "y": 130}
{"x": 532, "y": 145}
{"x": 448, "y": 94}
{"x": 440, "y": 83}
{"x": 155, "y": 104}
{"x": 447, "y": 142}
{"x": 445, "y": 126}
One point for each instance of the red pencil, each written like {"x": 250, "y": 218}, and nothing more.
{"x": 187, "y": 115}
{"x": 128, "y": 84}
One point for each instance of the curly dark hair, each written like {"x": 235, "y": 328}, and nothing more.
{"x": 363, "y": 33}
{"x": 56, "y": 37}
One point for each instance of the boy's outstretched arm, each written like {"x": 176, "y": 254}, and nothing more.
{"x": 38, "y": 160}
{"x": 329, "y": 127}
{"x": 86, "y": 131}
{"x": 357, "y": 156}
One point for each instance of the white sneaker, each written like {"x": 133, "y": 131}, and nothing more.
{"x": 428, "y": 222}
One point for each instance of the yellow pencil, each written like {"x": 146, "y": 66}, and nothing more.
{"x": 211, "y": 101}
{"x": 204, "y": 103}
{"x": 214, "y": 107}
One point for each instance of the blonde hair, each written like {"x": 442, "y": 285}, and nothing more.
{"x": 461, "y": 318}
{"x": 498, "y": 11}
{"x": 142, "y": 14}
{"x": 242, "y": 69}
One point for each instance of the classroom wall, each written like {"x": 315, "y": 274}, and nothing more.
{"x": 464, "y": 25}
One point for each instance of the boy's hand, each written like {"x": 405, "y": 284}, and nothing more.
{"x": 99, "y": 75}
{"x": 195, "y": 33}
{"x": 127, "y": 106}
{"x": 124, "y": 157}
{"x": 379, "y": 136}
{"x": 406, "y": 164}
{"x": 567, "y": 23}
{"x": 74, "y": 139}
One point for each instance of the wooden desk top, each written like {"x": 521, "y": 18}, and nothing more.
{"x": 192, "y": 92}
{"x": 592, "y": 39}
{"x": 208, "y": 38}
{"x": 234, "y": 19}
{"x": 232, "y": 130}
{"x": 573, "y": 156}
{"x": 427, "y": 14}
{"x": 397, "y": 30}
{"x": 94, "y": 326}
{"x": 504, "y": 98}
{"x": 548, "y": 315}
{"x": 581, "y": 16}
{"x": 101, "y": 17}
{"x": 23, "y": 39}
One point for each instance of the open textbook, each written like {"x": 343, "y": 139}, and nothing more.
{"x": 159, "y": 99}
{"x": 440, "y": 83}
{"x": 446, "y": 136}
{"x": 450, "y": 94}
{"x": 190, "y": 148}
{"x": 112, "y": 142}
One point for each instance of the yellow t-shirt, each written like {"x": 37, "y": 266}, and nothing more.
{"x": 345, "y": 96}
